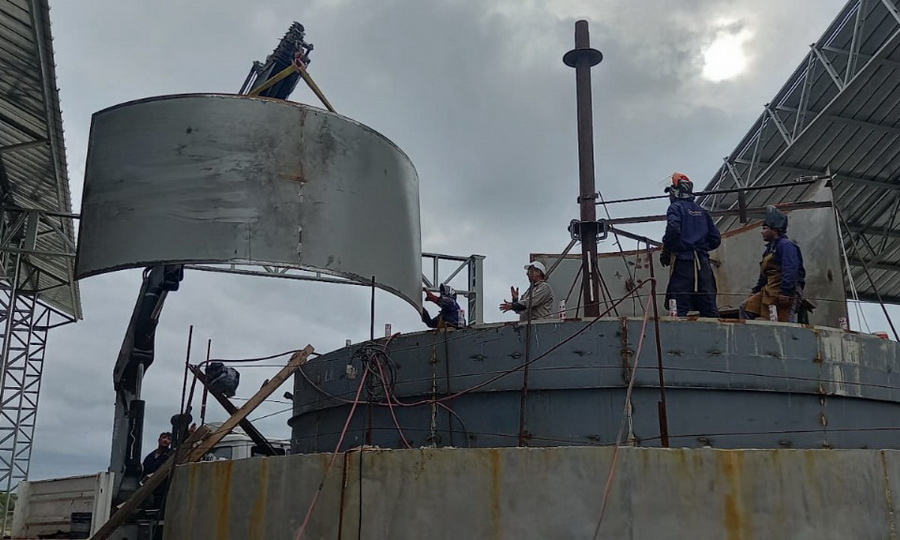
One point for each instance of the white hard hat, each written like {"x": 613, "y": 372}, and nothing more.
{"x": 537, "y": 264}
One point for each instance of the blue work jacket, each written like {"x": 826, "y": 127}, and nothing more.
{"x": 689, "y": 229}
{"x": 786, "y": 253}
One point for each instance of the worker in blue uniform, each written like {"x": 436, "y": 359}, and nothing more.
{"x": 690, "y": 235}
{"x": 782, "y": 276}
{"x": 450, "y": 314}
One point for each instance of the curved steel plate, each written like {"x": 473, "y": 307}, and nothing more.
{"x": 234, "y": 179}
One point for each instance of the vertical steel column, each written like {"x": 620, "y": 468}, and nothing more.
{"x": 7, "y": 433}
{"x": 21, "y": 357}
{"x": 583, "y": 58}
{"x": 476, "y": 298}
{"x": 21, "y": 390}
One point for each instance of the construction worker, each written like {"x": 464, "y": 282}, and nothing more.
{"x": 158, "y": 456}
{"x": 690, "y": 235}
{"x": 152, "y": 463}
{"x": 537, "y": 302}
{"x": 781, "y": 273}
{"x": 450, "y": 311}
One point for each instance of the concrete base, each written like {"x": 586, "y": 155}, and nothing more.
{"x": 540, "y": 493}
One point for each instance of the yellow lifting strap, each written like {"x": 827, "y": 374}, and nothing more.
{"x": 281, "y": 75}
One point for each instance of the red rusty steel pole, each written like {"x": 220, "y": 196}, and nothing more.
{"x": 583, "y": 58}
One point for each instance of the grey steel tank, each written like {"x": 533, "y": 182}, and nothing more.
{"x": 728, "y": 384}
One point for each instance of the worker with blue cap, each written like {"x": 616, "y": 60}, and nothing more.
{"x": 690, "y": 235}
{"x": 782, "y": 276}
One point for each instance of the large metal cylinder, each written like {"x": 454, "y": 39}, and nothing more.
{"x": 728, "y": 385}
{"x": 235, "y": 179}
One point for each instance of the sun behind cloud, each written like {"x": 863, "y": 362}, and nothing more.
{"x": 724, "y": 57}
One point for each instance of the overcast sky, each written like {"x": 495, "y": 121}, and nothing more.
{"x": 475, "y": 92}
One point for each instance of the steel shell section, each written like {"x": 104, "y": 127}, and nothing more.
{"x": 757, "y": 384}
{"x": 234, "y": 179}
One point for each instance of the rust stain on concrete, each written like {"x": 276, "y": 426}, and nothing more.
{"x": 257, "y": 526}
{"x": 731, "y": 466}
{"x": 496, "y": 489}
{"x": 221, "y": 494}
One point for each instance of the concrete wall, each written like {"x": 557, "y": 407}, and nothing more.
{"x": 542, "y": 493}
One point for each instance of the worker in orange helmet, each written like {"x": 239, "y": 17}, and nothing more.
{"x": 690, "y": 235}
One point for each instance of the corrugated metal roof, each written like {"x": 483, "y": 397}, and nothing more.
{"x": 838, "y": 112}
{"x": 34, "y": 185}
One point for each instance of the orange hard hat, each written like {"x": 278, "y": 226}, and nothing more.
{"x": 678, "y": 177}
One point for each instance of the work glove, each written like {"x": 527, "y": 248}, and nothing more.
{"x": 665, "y": 258}
{"x": 430, "y": 296}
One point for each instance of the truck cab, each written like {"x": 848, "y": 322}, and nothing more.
{"x": 239, "y": 445}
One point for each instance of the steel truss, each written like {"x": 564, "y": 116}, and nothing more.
{"x": 473, "y": 265}
{"x": 24, "y": 323}
{"x": 838, "y": 114}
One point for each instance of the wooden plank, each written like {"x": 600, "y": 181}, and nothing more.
{"x": 298, "y": 359}
{"x": 245, "y": 424}
{"x": 200, "y": 443}
{"x": 150, "y": 485}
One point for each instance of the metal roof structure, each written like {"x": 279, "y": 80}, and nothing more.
{"x": 838, "y": 113}
{"x": 37, "y": 248}
{"x": 36, "y": 234}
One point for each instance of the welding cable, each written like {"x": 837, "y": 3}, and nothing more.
{"x": 545, "y": 353}
{"x": 860, "y": 385}
{"x": 389, "y": 395}
{"x": 337, "y": 449}
{"x": 238, "y": 360}
{"x": 504, "y": 373}
{"x": 190, "y": 398}
{"x": 393, "y": 401}
{"x": 597, "y": 444}
{"x": 461, "y": 424}
{"x": 616, "y": 235}
{"x": 271, "y": 414}
{"x": 474, "y": 332}
{"x": 612, "y": 465}
{"x": 370, "y": 355}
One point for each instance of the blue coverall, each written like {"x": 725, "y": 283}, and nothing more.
{"x": 690, "y": 235}
{"x": 781, "y": 274}
{"x": 449, "y": 315}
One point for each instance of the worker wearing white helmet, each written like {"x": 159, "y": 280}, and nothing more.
{"x": 537, "y": 302}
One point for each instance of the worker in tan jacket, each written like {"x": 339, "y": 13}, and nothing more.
{"x": 537, "y": 302}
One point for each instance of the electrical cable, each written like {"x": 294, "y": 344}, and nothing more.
{"x": 784, "y": 377}
{"x": 239, "y": 360}
{"x": 615, "y": 234}
{"x": 625, "y": 416}
{"x": 337, "y": 449}
{"x": 388, "y": 395}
